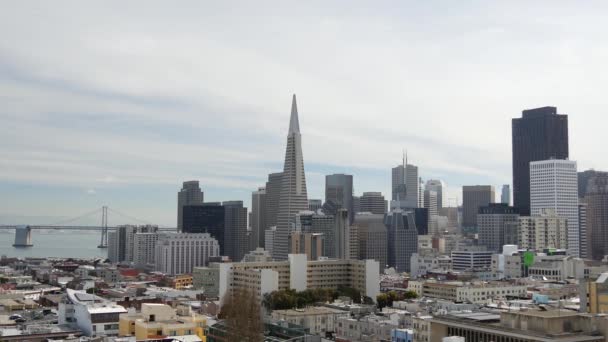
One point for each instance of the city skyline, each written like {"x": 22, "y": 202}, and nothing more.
{"x": 95, "y": 122}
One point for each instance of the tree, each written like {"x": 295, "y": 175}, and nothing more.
{"x": 242, "y": 314}
{"x": 382, "y": 300}
{"x": 410, "y": 295}
{"x": 368, "y": 301}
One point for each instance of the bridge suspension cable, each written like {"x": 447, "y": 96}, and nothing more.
{"x": 128, "y": 216}
{"x": 61, "y": 223}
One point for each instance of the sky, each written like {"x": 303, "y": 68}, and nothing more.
{"x": 116, "y": 103}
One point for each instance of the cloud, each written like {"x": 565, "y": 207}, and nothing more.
{"x": 91, "y": 192}
{"x": 94, "y": 97}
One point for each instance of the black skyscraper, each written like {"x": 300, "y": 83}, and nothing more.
{"x": 205, "y": 218}
{"x": 540, "y": 134}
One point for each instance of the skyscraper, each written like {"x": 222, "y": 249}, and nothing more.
{"x": 206, "y": 218}
{"x": 474, "y": 197}
{"x": 315, "y": 204}
{"x": 189, "y": 194}
{"x": 258, "y": 217}
{"x": 402, "y": 239}
{"x": 293, "y": 197}
{"x": 406, "y": 174}
{"x": 497, "y": 224}
{"x": 540, "y": 134}
{"x": 554, "y": 185}
{"x": 437, "y": 186}
{"x": 236, "y": 242}
{"x": 583, "y": 180}
{"x": 505, "y": 194}
{"x": 597, "y": 216}
{"x": 371, "y": 233}
{"x": 372, "y": 202}
{"x": 398, "y": 179}
{"x": 273, "y": 192}
{"x": 339, "y": 189}
{"x": 430, "y": 203}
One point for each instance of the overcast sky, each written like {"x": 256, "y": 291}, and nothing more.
{"x": 117, "y": 103}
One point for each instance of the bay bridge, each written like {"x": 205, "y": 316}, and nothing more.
{"x": 23, "y": 233}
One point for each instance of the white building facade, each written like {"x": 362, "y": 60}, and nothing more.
{"x": 179, "y": 253}
{"x": 554, "y": 185}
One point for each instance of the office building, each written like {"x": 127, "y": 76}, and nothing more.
{"x": 293, "y": 197}
{"x": 121, "y": 241}
{"x": 372, "y": 237}
{"x": 236, "y": 237}
{"x": 356, "y": 204}
{"x": 597, "y": 216}
{"x": 273, "y": 192}
{"x": 346, "y": 239}
{"x": 583, "y": 180}
{"x": 474, "y": 197}
{"x": 505, "y": 194}
{"x": 315, "y": 204}
{"x": 258, "y": 221}
{"x": 554, "y": 185}
{"x": 413, "y": 185}
{"x": 437, "y": 186}
{"x": 582, "y": 228}
{"x": 398, "y": 181}
{"x": 475, "y": 293}
{"x": 471, "y": 259}
{"x": 206, "y": 218}
{"x": 540, "y": 134}
{"x": 430, "y": 203}
{"x": 373, "y": 202}
{"x": 190, "y": 194}
{"x": 421, "y": 216}
{"x": 545, "y": 231}
{"x": 497, "y": 225}
{"x": 339, "y": 190}
{"x": 406, "y": 174}
{"x": 179, "y": 253}
{"x": 311, "y": 244}
{"x": 207, "y": 279}
{"x": 320, "y": 320}
{"x": 402, "y": 239}
{"x": 269, "y": 237}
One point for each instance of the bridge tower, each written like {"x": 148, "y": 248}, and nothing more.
{"x": 104, "y": 227}
{"x": 23, "y": 236}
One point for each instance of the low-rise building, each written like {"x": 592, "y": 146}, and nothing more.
{"x": 93, "y": 315}
{"x": 319, "y": 320}
{"x": 421, "y": 263}
{"x": 161, "y": 320}
{"x": 368, "y": 328}
{"x": 207, "y": 279}
{"x": 477, "y": 293}
{"x": 558, "y": 267}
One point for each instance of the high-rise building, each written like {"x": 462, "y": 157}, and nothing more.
{"x": 402, "y": 239}
{"x": 189, "y": 194}
{"x": 406, "y": 174}
{"x": 430, "y": 203}
{"x": 583, "y": 180}
{"x": 413, "y": 185}
{"x": 554, "y": 185}
{"x": 582, "y": 228}
{"x": 293, "y": 197}
{"x": 437, "y": 186}
{"x": 540, "y": 134}
{"x": 505, "y": 194}
{"x": 310, "y": 244}
{"x": 345, "y": 236}
{"x": 474, "y": 197}
{"x": 372, "y": 202}
{"x": 206, "y": 218}
{"x": 398, "y": 181}
{"x": 179, "y": 253}
{"x": 144, "y": 249}
{"x": 372, "y": 237}
{"x": 547, "y": 230}
{"x": 121, "y": 241}
{"x": 273, "y": 192}
{"x": 258, "y": 221}
{"x": 420, "y": 192}
{"x": 497, "y": 224}
{"x": 597, "y": 216}
{"x": 315, "y": 204}
{"x": 339, "y": 189}
{"x": 236, "y": 240}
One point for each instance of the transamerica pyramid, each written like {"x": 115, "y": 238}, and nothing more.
{"x": 293, "y": 197}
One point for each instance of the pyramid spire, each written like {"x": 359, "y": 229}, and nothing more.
{"x": 294, "y": 123}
